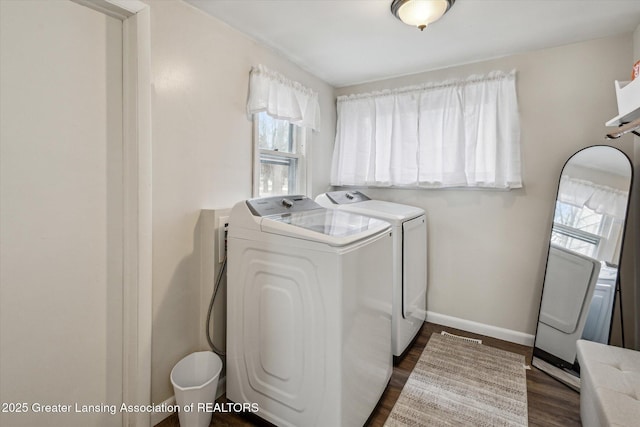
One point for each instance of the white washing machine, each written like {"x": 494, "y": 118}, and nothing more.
{"x": 409, "y": 258}
{"x": 308, "y": 311}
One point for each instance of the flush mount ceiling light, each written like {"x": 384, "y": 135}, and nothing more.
{"x": 420, "y": 13}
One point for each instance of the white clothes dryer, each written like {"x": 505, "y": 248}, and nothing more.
{"x": 308, "y": 311}
{"x": 569, "y": 283}
{"x": 409, "y": 225}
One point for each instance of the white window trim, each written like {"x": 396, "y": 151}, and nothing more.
{"x": 303, "y": 136}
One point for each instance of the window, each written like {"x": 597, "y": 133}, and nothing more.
{"x": 458, "y": 133}
{"x": 280, "y": 165}
{"x": 580, "y": 229}
{"x": 589, "y": 218}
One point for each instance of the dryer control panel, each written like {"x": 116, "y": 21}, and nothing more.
{"x": 279, "y": 205}
{"x": 346, "y": 197}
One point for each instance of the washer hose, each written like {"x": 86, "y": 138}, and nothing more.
{"x": 213, "y": 298}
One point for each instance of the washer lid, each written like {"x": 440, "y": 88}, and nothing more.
{"x": 395, "y": 213}
{"x": 333, "y": 227}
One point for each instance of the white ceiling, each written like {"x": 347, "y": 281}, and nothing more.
{"x": 345, "y": 42}
{"x": 604, "y": 159}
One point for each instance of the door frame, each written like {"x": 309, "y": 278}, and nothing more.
{"x": 137, "y": 217}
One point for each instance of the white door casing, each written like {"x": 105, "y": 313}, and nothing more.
{"x": 137, "y": 283}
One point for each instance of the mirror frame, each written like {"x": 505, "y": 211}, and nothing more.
{"x": 554, "y": 362}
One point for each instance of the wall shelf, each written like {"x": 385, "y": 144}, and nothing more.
{"x": 628, "y": 97}
{"x": 621, "y": 120}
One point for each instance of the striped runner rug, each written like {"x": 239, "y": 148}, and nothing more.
{"x": 458, "y": 382}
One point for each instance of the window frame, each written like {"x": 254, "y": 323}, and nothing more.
{"x": 604, "y": 240}
{"x": 583, "y": 236}
{"x": 301, "y": 157}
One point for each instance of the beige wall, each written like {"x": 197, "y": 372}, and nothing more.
{"x": 202, "y": 158}
{"x": 487, "y": 249}
{"x": 61, "y": 191}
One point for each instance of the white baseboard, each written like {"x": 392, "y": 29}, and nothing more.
{"x": 158, "y": 417}
{"x": 481, "y": 328}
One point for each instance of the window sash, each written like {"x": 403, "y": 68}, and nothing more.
{"x": 600, "y": 231}
{"x": 279, "y": 154}
{"x": 291, "y": 165}
{"x": 575, "y": 233}
{"x": 290, "y": 129}
{"x": 297, "y": 160}
{"x": 576, "y": 240}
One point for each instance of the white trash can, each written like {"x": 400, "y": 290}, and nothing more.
{"x": 195, "y": 380}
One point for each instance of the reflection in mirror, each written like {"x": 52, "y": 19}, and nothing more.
{"x": 581, "y": 277}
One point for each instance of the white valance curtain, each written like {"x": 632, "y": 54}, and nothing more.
{"x": 282, "y": 98}
{"x": 458, "y": 133}
{"x": 599, "y": 198}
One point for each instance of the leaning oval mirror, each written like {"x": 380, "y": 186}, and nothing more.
{"x": 581, "y": 276}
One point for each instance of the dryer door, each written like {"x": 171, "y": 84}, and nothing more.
{"x": 414, "y": 267}
{"x": 570, "y": 279}
{"x": 569, "y": 282}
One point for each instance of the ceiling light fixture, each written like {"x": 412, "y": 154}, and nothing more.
{"x": 420, "y": 13}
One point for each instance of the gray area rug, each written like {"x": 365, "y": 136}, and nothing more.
{"x": 461, "y": 383}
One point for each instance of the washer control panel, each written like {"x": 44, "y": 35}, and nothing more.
{"x": 346, "y": 197}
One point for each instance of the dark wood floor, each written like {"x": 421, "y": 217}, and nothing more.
{"x": 551, "y": 403}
